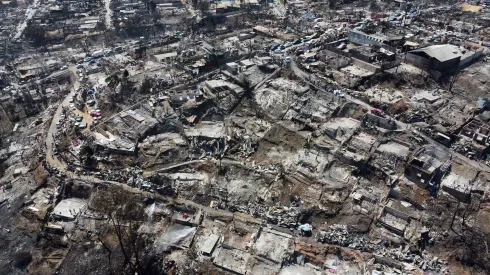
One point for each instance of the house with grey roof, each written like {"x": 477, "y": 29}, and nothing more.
{"x": 442, "y": 58}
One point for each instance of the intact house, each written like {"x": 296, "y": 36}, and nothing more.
{"x": 441, "y": 59}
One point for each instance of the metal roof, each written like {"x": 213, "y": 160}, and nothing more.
{"x": 442, "y": 52}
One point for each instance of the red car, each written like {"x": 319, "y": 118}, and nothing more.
{"x": 378, "y": 112}
{"x": 95, "y": 114}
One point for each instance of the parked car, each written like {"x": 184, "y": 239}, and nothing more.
{"x": 338, "y": 93}
{"x": 274, "y": 47}
{"x": 94, "y": 113}
{"x": 378, "y": 112}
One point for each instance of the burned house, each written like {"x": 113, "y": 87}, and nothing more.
{"x": 207, "y": 137}
{"x": 226, "y": 93}
{"x": 374, "y": 54}
{"x": 476, "y": 130}
{"x": 394, "y": 220}
{"x": 458, "y": 186}
{"x": 114, "y": 144}
{"x": 474, "y": 139}
{"x": 341, "y": 128}
{"x": 238, "y": 67}
{"x": 378, "y": 121}
{"x": 213, "y": 55}
{"x": 166, "y": 57}
{"x": 427, "y": 167}
{"x": 122, "y": 133}
{"x": 361, "y": 38}
{"x": 390, "y": 155}
{"x": 357, "y": 149}
{"x": 334, "y": 60}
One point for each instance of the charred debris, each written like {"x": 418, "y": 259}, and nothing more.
{"x": 244, "y": 137}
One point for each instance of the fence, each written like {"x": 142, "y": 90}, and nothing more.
{"x": 334, "y": 60}
{"x": 366, "y": 66}
{"x": 389, "y": 65}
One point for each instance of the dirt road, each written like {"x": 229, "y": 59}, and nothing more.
{"x": 50, "y": 158}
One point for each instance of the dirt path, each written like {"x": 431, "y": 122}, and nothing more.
{"x": 108, "y": 14}
{"x": 50, "y": 158}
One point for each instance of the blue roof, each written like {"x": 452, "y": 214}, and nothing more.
{"x": 310, "y": 15}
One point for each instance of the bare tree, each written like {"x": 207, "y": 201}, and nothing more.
{"x": 146, "y": 85}
{"x": 453, "y": 80}
{"x": 373, "y": 6}
{"x": 36, "y": 34}
{"x": 124, "y": 214}
{"x": 472, "y": 237}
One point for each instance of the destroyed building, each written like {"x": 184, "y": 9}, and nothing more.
{"x": 244, "y": 137}
{"x": 427, "y": 167}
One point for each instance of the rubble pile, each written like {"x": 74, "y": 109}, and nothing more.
{"x": 464, "y": 147}
{"x": 338, "y": 234}
{"x": 283, "y": 216}
{"x": 419, "y": 115}
{"x": 425, "y": 261}
{"x": 239, "y": 129}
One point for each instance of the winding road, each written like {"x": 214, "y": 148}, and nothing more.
{"x": 50, "y": 158}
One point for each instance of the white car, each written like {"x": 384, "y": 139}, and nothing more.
{"x": 338, "y": 93}
{"x": 72, "y": 106}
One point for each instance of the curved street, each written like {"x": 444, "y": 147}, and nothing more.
{"x": 50, "y": 158}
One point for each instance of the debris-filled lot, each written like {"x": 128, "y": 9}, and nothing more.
{"x": 244, "y": 137}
